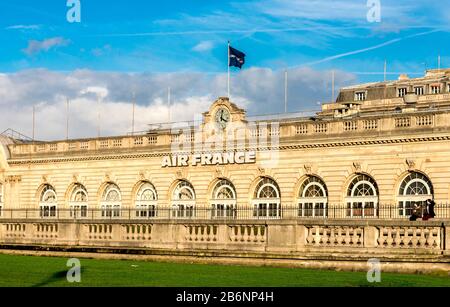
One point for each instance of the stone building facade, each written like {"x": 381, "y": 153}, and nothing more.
{"x": 372, "y": 154}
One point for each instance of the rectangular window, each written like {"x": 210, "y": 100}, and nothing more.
{"x": 104, "y": 144}
{"x": 350, "y": 126}
{"x": 402, "y": 91}
{"x": 254, "y": 133}
{"x": 321, "y": 128}
{"x": 274, "y": 131}
{"x": 370, "y": 124}
{"x": 40, "y": 148}
{"x": 72, "y": 146}
{"x": 403, "y": 122}
{"x": 138, "y": 141}
{"x": 84, "y": 145}
{"x": 190, "y": 137}
{"x": 419, "y": 90}
{"x": 435, "y": 89}
{"x": 117, "y": 143}
{"x": 153, "y": 139}
{"x": 301, "y": 129}
{"x": 426, "y": 120}
{"x": 360, "y": 96}
{"x": 53, "y": 147}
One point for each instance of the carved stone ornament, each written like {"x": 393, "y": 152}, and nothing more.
{"x": 107, "y": 177}
{"x": 308, "y": 169}
{"x": 219, "y": 172}
{"x": 357, "y": 166}
{"x": 76, "y": 178}
{"x": 411, "y": 164}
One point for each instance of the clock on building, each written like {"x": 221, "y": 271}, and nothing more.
{"x": 223, "y": 117}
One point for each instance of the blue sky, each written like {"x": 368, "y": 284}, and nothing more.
{"x": 166, "y": 34}
{"x": 182, "y": 44}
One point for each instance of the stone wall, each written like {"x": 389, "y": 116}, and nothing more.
{"x": 279, "y": 238}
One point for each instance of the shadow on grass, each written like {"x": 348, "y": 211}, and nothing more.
{"x": 60, "y": 276}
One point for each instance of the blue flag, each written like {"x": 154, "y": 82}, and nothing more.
{"x": 237, "y": 58}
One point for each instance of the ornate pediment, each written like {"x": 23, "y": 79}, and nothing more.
{"x": 236, "y": 114}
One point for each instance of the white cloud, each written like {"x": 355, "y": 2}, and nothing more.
{"x": 45, "y": 45}
{"x": 203, "y": 46}
{"x": 101, "y": 92}
{"x": 259, "y": 90}
{"x": 23, "y": 27}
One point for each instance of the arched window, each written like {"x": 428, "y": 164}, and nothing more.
{"x": 362, "y": 197}
{"x": 313, "y": 198}
{"x": 1, "y": 199}
{"x": 48, "y": 202}
{"x": 78, "y": 201}
{"x": 267, "y": 199}
{"x": 111, "y": 201}
{"x": 223, "y": 201}
{"x": 415, "y": 190}
{"x": 146, "y": 200}
{"x": 183, "y": 200}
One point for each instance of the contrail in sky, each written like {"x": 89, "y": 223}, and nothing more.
{"x": 342, "y": 55}
{"x": 256, "y": 30}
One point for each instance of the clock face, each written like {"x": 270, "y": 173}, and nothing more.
{"x": 223, "y": 118}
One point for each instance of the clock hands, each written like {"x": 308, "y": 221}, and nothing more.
{"x": 222, "y": 118}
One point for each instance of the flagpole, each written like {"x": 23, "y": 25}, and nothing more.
{"x": 133, "y": 115}
{"x": 169, "y": 115}
{"x": 333, "y": 77}
{"x": 228, "y": 89}
{"x": 67, "y": 118}
{"x": 285, "y": 91}
{"x": 98, "y": 116}
{"x": 34, "y": 122}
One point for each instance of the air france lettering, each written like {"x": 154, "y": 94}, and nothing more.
{"x": 209, "y": 159}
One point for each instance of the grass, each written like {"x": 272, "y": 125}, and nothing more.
{"x": 27, "y": 271}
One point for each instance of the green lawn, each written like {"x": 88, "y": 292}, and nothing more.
{"x": 24, "y": 271}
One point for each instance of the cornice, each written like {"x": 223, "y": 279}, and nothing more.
{"x": 258, "y": 149}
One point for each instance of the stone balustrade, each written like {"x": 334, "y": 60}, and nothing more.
{"x": 274, "y": 237}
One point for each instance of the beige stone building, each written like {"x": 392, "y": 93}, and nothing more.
{"x": 379, "y": 144}
{"x": 371, "y": 155}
